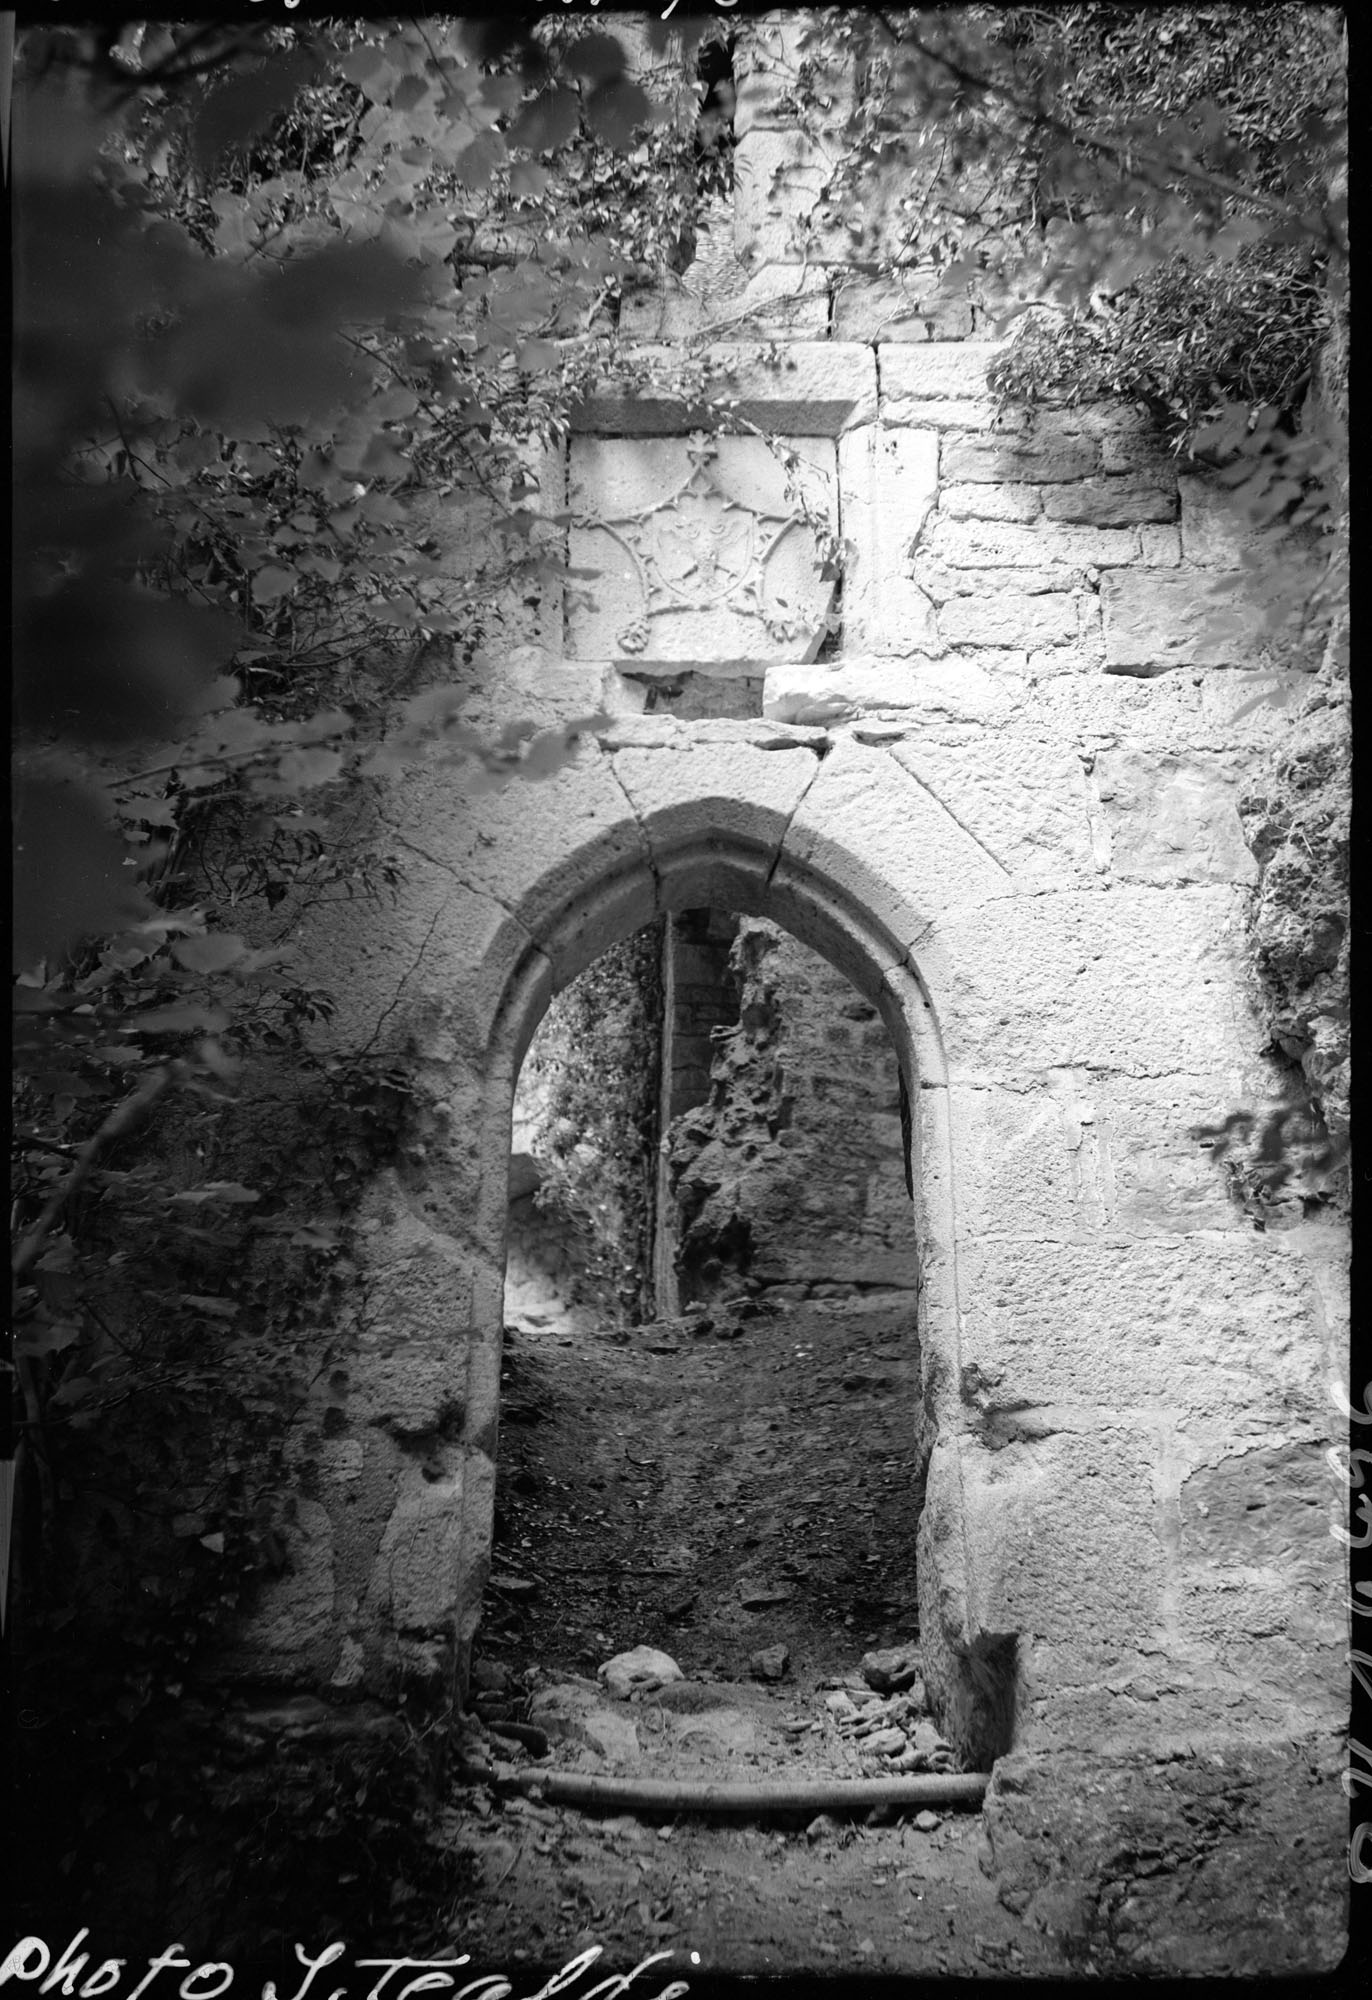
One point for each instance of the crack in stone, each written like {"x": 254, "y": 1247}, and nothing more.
{"x": 405, "y": 978}
{"x": 929, "y": 792}
{"x": 821, "y": 752}
{"x": 447, "y": 868}
{"x": 650, "y": 860}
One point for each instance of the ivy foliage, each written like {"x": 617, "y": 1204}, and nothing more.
{"x": 297, "y": 305}
{"x": 1153, "y": 200}
{"x": 1256, "y": 94}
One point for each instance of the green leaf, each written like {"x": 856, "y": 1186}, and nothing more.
{"x": 211, "y": 953}
{"x": 476, "y": 163}
{"x": 245, "y": 105}
{"x": 272, "y": 583}
{"x": 75, "y": 1389}
{"x": 616, "y": 109}
{"x": 549, "y": 122}
{"x": 302, "y": 769}
{"x": 178, "y": 1020}
{"x": 50, "y": 1338}
{"x": 230, "y": 1191}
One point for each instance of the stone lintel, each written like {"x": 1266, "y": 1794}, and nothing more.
{"x": 812, "y": 389}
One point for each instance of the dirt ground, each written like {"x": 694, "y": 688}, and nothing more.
{"x": 713, "y": 1490}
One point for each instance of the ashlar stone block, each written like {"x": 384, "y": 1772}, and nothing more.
{"x": 1024, "y": 800}
{"x": 974, "y": 544}
{"x": 1111, "y": 503}
{"x": 951, "y": 688}
{"x": 787, "y": 208}
{"x": 1031, "y": 457}
{"x": 810, "y": 388}
{"x": 1018, "y": 1160}
{"x": 889, "y": 483}
{"x": 933, "y": 371}
{"x": 868, "y": 827}
{"x": 973, "y": 501}
{"x": 1012, "y": 619}
{"x": 1212, "y": 1325}
{"x": 1048, "y": 1563}
{"x": 1102, "y": 977}
{"x": 954, "y": 413}
{"x": 906, "y": 306}
{"x": 1153, "y": 623}
{"x": 1173, "y": 817}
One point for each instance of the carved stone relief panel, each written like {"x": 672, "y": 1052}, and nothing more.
{"x": 698, "y": 548}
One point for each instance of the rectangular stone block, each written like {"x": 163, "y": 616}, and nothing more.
{"x": 1156, "y": 1179}
{"x": 1182, "y": 712}
{"x": 969, "y": 688}
{"x": 1017, "y": 1157}
{"x": 934, "y": 371}
{"x": 942, "y": 580}
{"x": 779, "y": 177}
{"x": 1173, "y": 817}
{"x": 1123, "y": 422}
{"x": 889, "y": 483}
{"x": 787, "y": 207}
{"x": 1159, "y": 548}
{"x": 871, "y": 831}
{"x": 985, "y": 502}
{"x": 1106, "y": 503}
{"x": 810, "y": 389}
{"x": 767, "y": 65}
{"x": 1136, "y": 449}
{"x": 908, "y": 306}
{"x": 1153, "y": 623}
{"x": 1099, "y": 977}
{"x": 721, "y": 298}
{"x": 959, "y": 413}
{"x": 1062, "y": 1541}
{"x": 1012, "y": 619}
{"x": 1217, "y": 1326}
{"x": 1022, "y": 799}
{"x": 973, "y": 544}
{"x": 1003, "y": 460}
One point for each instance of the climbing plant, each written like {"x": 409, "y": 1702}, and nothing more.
{"x": 347, "y": 277}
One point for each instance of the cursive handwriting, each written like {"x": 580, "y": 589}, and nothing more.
{"x": 32, "y": 1959}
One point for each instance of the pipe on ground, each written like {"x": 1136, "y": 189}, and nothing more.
{"x": 702, "y": 1795}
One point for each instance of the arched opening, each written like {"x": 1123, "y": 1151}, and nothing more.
{"x": 711, "y": 1439}
{"x": 708, "y": 857}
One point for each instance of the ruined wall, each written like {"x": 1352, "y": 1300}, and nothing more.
{"x": 788, "y": 1180}
{"x": 1003, "y": 799}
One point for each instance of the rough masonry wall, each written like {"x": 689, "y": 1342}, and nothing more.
{"x": 789, "y": 1178}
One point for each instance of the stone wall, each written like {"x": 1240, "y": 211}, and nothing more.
{"x": 1003, "y": 800}
{"x": 788, "y": 1180}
